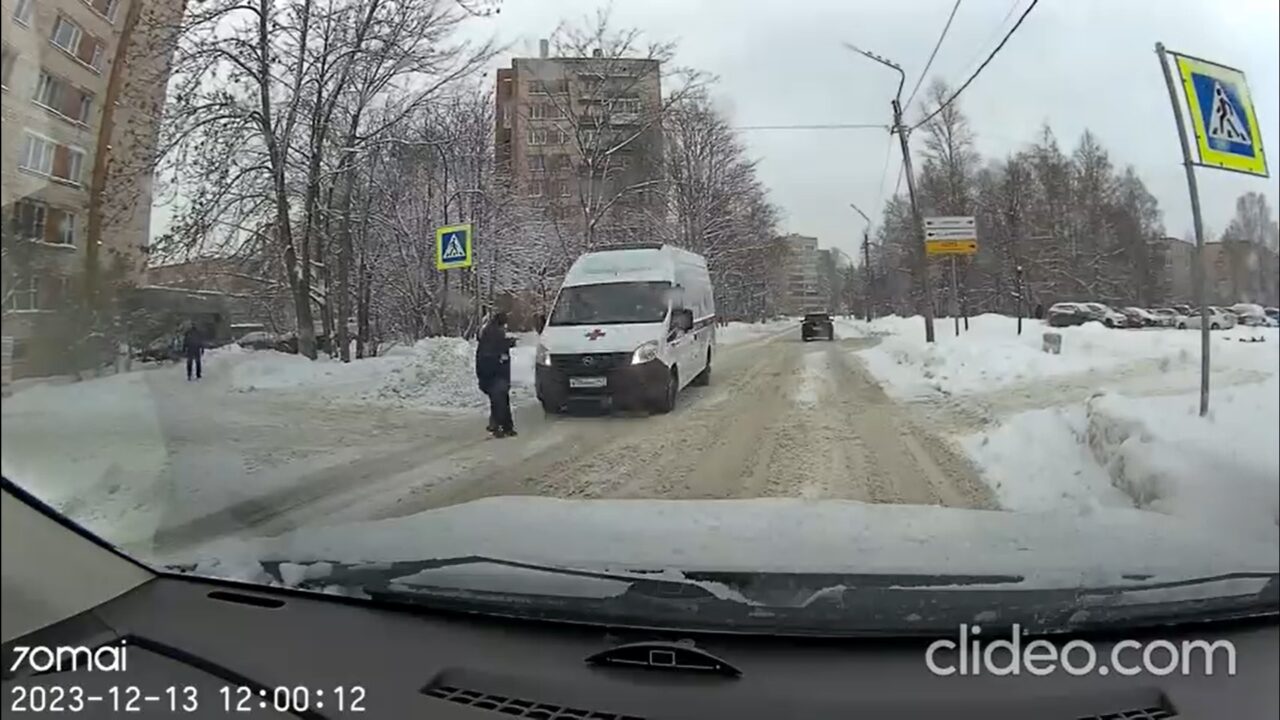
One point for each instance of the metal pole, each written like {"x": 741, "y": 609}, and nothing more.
{"x": 1197, "y": 270}
{"x": 1021, "y": 298}
{"x": 955, "y": 296}
{"x": 922, "y": 260}
{"x": 866, "y": 260}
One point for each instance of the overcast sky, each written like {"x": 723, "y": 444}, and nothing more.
{"x": 1074, "y": 63}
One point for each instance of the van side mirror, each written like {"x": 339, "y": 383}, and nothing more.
{"x": 684, "y": 319}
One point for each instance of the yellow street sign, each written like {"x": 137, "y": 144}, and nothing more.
{"x": 951, "y": 247}
{"x": 1222, "y": 117}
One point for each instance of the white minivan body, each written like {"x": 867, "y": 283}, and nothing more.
{"x": 631, "y": 325}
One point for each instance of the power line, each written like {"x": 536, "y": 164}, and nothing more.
{"x": 984, "y": 64}
{"x": 990, "y": 38}
{"x": 929, "y": 63}
{"x": 834, "y": 126}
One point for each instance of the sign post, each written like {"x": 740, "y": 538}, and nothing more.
{"x": 951, "y": 236}
{"x": 1227, "y": 137}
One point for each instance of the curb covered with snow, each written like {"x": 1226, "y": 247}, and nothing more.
{"x": 1219, "y": 469}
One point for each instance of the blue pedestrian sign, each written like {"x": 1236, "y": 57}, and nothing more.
{"x": 453, "y": 247}
{"x": 1222, "y": 116}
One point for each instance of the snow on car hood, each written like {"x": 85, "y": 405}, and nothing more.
{"x": 1059, "y": 549}
{"x": 566, "y": 339}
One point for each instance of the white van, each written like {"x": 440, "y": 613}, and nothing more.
{"x": 631, "y": 326}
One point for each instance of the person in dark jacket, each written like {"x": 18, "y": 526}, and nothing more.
{"x": 192, "y": 349}
{"x": 493, "y": 371}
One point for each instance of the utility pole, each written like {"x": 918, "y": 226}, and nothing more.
{"x": 866, "y": 258}
{"x": 922, "y": 260}
{"x": 871, "y": 280}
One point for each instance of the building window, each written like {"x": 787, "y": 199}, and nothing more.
{"x": 627, "y": 105}
{"x": 75, "y": 165}
{"x": 66, "y": 34}
{"x": 537, "y": 136}
{"x": 28, "y": 219}
{"x": 537, "y": 111}
{"x": 37, "y": 154}
{"x": 25, "y": 294}
{"x": 7, "y": 58}
{"x": 106, "y": 8}
{"x": 562, "y": 189}
{"x": 537, "y": 188}
{"x": 22, "y": 11}
{"x": 59, "y": 96}
{"x": 537, "y": 163}
{"x": 66, "y": 227}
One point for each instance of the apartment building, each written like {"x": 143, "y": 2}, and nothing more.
{"x": 580, "y": 128}
{"x": 802, "y": 283}
{"x": 83, "y": 83}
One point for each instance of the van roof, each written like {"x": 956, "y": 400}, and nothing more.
{"x": 642, "y": 262}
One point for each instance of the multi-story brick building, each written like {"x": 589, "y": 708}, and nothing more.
{"x": 581, "y": 131}
{"x": 802, "y": 284}
{"x": 83, "y": 83}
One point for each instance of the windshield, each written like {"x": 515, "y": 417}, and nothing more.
{"x": 611, "y": 304}
{"x": 908, "y": 290}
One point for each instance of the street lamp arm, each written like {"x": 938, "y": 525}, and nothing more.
{"x": 902, "y": 77}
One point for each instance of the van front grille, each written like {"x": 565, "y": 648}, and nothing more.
{"x": 588, "y": 363}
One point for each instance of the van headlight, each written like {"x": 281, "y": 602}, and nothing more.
{"x": 645, "y": 353}
{"x": 542, "y": 356}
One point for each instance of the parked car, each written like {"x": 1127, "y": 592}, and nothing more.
{"x": 1139, "y": 317}
{"x": 1068, "y": 314}
{"x": 165, "y": 349}
{"x": 1273, "y": 316}
{"x": 1183, "y": 309}
{"x": 259, "y": 340}
{"x": 1165, "y": 317}
{"x": 817, "y": 325}
{"x": 1106, "y": 315}
{"x": 1219, "y": 319}
{"x": 1250, "y": 314}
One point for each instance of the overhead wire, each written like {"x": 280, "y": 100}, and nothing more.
{"x": 929, "y": 63}
{"x": 981, "y": 67}
{"x": 831, "y": 126}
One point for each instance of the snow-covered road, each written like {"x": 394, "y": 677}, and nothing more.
{"x": 160, "y": 464}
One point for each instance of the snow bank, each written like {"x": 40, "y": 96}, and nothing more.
{"x": 434, "y": 373}
{"x": 1039, "y": 461}
{"x": 992, "y": 355}
{"x": 1221, "y": 469}
{"x": 440, "y": 373}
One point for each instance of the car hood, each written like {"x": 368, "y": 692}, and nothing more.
{"x": 1059, "y": 549}
{"x": 573, "y": 339}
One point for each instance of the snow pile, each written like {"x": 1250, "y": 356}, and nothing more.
{"x": 991, "y": 354}
{"x": 440, "y": 373}
{"x": 1220, "y": 469}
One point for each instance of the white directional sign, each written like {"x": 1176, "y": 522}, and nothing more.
{"x": 951, "y": 235}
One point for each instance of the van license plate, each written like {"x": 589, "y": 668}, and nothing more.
{"x": 586, "y": 382}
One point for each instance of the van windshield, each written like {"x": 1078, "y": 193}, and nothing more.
{"x": 611, "y": 304}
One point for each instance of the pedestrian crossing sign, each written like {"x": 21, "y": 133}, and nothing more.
{"x": 1222, "y": 116}
{"x": 453, "y": 247}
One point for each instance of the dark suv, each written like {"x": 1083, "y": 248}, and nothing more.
{"x": 817, "y": 325}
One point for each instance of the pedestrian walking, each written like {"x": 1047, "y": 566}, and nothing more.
{"x": 493, "y": 371}
{"x": 192, "y": 349}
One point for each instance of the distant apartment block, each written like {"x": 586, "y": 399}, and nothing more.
{"x": 801, "y": 280}
{"x": 580, "y": 127}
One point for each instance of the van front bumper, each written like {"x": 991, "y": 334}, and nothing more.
{"x": 633, "y": 386}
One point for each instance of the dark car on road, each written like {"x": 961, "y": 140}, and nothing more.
{"x": 817, "y": 325}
